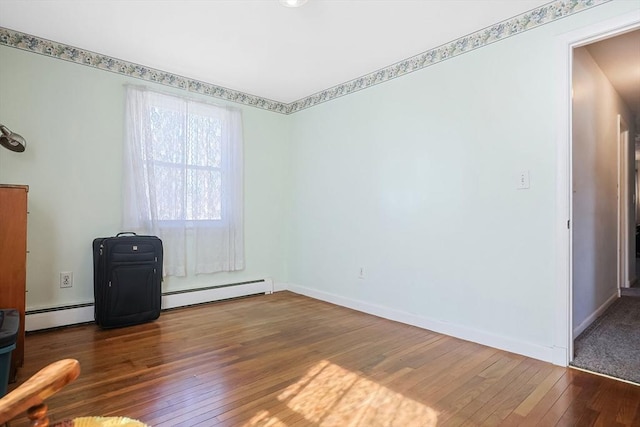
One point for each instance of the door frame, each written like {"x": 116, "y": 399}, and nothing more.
{"x": 562, "y": 350}
{"x": 623, "y": 203}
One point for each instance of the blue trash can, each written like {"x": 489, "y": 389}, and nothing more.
{"x": 9, "y": 323}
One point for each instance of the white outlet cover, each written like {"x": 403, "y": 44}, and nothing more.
{"x": 523, "y": 180}
{"x": 66, "y": 279}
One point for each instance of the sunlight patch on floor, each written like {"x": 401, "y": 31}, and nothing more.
{"x": 264, "y": 419}
{"x": 329, "y": 395}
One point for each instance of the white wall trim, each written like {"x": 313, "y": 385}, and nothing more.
{"x": 563, "y": 331}
{"x": 559, "y": 356}
{"x": 544, "y": 14}
{"x": 58, "y": 318}
{"x": 280, "y": 286}
{"x": 457, "y": 331}
{"x": 593, "y": 316}
{"x": 73, "y": 315}
{"x": 215, "y": 294}
{"x": 562, "y": 339}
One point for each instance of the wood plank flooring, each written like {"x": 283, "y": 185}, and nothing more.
{"x": 288, "y": 360}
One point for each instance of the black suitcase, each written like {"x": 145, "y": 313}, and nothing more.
{"x": 127, "y": 278}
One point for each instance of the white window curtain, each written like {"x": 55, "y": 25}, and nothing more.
{"x": 183, "y": 180}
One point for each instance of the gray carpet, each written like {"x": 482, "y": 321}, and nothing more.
{"x": 611, "y": 344}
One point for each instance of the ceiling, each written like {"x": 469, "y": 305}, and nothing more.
{"x": 619, "y": 59}
{"x": 258, "y": 46}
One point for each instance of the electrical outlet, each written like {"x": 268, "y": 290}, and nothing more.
{"x": 523, "y": 180}
{"x": 66, "y": 279}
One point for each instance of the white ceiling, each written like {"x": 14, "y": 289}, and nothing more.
{"x": 257, "y": 46}
{"x": 619, "y": 58}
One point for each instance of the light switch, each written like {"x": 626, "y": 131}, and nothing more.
{"x": 523, "y": 180}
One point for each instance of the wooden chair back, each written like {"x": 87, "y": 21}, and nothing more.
{"x": 29, "y": 397}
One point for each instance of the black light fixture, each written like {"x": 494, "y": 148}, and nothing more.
{"x": 12, "y": 141}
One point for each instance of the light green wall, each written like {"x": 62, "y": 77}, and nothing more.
{"x": 72, "y": 118}
{"x": 415, "y": 181}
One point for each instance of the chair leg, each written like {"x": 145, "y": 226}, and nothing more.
{"x": 38, "y": 415}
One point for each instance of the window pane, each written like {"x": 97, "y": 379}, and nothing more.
{"x": 204, "y": 141}
{"x": 204, "y": 194}
{"x": 168, "y": 133}
{"x": 170, "y": 190}
{"x": 186, "y": 152}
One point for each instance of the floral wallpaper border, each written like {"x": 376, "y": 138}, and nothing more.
{"x": 534, "y": 18}
{"x": 502, "y": 30}
{"x": 45, "y": 47}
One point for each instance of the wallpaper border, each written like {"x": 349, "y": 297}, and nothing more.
{"x": 518, "y": 24}
{"x": 534, "y": 18}
{"x": 30, "y": 43}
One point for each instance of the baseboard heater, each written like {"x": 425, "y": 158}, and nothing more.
{"x": 55, "y": 317}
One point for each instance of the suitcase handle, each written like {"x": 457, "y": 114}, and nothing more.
{"x": 126, "y": 232}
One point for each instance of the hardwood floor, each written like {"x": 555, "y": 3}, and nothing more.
{"x": 288, "y": 360}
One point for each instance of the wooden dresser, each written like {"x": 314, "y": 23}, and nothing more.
{"x": 13, "y": 259}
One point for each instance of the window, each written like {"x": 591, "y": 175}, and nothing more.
{"x": 183, "y": 170}
{"x": 186, "y": 156}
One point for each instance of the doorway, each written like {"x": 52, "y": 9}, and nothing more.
{"x": 599, "y": 181}
{"x": 563, "y": 338}
{"x": 604, "y": 111}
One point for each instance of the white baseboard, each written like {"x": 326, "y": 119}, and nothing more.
{"x": 560, "y": 356}
{"x": 183, "y": 299}
{"x": 83, "y": 313}
{"x": 547, "y": 354}
{"x": 589, "y": 320}
{"x": 59, "y": 317}
{"x": 280, "y": 286}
